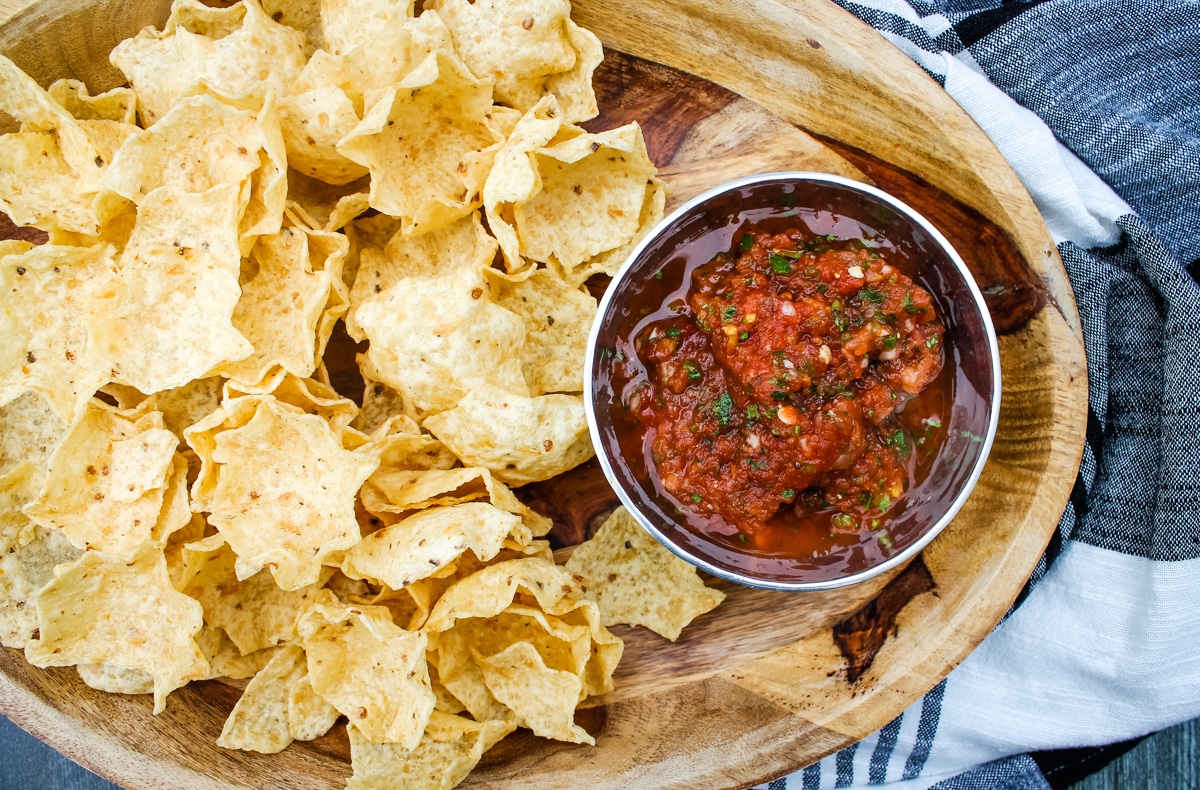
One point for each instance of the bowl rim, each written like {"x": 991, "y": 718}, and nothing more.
{"x": 627, "y": 266}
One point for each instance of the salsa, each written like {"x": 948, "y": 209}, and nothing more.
{"x": 765, "y": 391}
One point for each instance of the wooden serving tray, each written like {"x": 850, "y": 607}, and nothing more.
{"x": 757, "y": 688}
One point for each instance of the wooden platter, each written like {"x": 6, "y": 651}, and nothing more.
{"x": 759, "y": 687}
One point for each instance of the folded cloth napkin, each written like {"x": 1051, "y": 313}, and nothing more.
{"x": 1096, "y": 105}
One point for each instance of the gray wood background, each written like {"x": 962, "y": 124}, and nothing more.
{"x": 1169, "y": 760}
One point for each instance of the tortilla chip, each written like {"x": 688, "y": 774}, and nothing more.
{"x": 370, "y": 669}
{"x": 301, "y": 15}
{"x": 309, "y": 395}
{"x": 346, "y": 25}
{"x": 287, "y": 294}
{"x": 279, "y": 486}
{"x": 522, "y": 44}
{"x": 450, "y": 748}
{"x": 108, "y": 479}
{"x": 183, "y": 407}
{"x": 463, "y": 246}
{"x": 520, "y": 439}
{"x": 29, "y": 431}
{"x": 118, "y": 104}
{"x": 169, "y": 307}
{"x": 412, "y": 549}
{"x": 593, "y": 189}
{"x": 44, "y": 338}
{"x": 558, "y": 318}
{"x": 234, "y": 51}
{"x": 28, "y": 555}
{"x": 323, "y": 206}
{"x": 277, "y": 707}
{"x": 573, "y": 88}
{"x": 255, "y": 613}
{"x": 544, "y": 698}
{"x": 116, "y": 679}
{"x": 106, "y": 608}
{"x": 637, "y": 581}
{"x": 226, "y": 661}
{"x": 435, "y": 339}
{"x": 405, "y": 489}
{"x": 259, "y": 721}
{"x": 427, "y": 144}
{"x": 37, "y": 111}
{"x": 313, "y": 123}
{"x": 39, "y": 188}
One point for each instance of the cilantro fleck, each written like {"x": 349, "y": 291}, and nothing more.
{"x": 788, "y": 493}
{"x": 822, "y": 288}
{"x": 779, "y": 395}
{"x": 909, "y": 307}
{"x": 931, "y": 342}
{"x": 747, "y": 242}
{"x": 752, "y": 411}
{"x": 673, "y": 332}
{"x": 871, "y": 295}
{"x": 693, "y": 370}
{"x": 932, "y": 422}
{"x": 744, "y": 335}
{"x": 658, "y": 275}
{"x": 885, "y": 502}
{"x": 899, "y": 441}
{"x": 697, "y": 498}
{"x": 864, "y": 499}
{"x": 728, "y": 313}
{"x": 780, "y": 264}
{"x": 723, "y": 408}
{"x": 889, "y": 342}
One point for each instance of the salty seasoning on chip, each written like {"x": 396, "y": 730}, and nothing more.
{"x": 121, "y": 610}
{"x": 520, "y": 439}
{"x": 372, "y": 670}
{"x": 530, "y": 48}
{"x": 450, "y": 748}
{"x": 279, "y": 485}
{"x": 635, "y": 580}
{"x": 234, "y": 51}
{"x": 542, "y": 651}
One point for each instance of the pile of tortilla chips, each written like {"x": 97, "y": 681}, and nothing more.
{"x": 184, "y": 496}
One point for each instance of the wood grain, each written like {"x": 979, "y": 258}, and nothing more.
{"x": 758, "y": 687}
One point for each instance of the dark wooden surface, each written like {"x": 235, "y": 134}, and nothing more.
{"x": 1169, "y": 760}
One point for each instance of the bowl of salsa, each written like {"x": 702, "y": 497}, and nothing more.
{"x": 793, "y": 381}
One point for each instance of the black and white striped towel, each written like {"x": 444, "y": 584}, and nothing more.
{"x": 1096, "y": 104}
